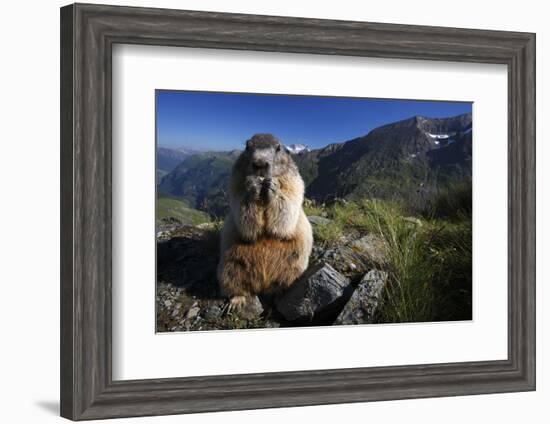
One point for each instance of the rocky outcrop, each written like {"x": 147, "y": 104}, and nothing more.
{"x": 318, "y": 292}
{"x": 188, "y": 297}
{"x": 357, "y": 256}
{"x": 187, "y": 256}
{"x": 338, "y": 287}
{"x": 363, "y": 304}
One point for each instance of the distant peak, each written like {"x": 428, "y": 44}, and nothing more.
{"x": 297, "y": 148}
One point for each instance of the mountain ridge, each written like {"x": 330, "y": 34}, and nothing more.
{"x": 406, "y": 160}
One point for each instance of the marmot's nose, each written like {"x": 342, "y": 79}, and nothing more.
{"x": 261, "y": 165}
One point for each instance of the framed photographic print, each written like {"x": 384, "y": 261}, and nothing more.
{"x": 263, "y": 211}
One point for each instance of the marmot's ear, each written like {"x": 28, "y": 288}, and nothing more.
{"x": 248, "y": 144}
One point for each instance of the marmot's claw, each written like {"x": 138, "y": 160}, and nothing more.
{"x": 236, "y": 303}
{"x": 270, "y": 184}
{"x": 253, "y": 185}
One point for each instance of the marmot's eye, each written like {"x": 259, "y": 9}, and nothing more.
{"x": 278, "y": 148}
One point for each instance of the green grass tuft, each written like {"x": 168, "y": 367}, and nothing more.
{"x": 311, "y": 209}
{"x": 429, "y": 265}
{"x": 429, "y": 255}
{"x": 328, "y": 234}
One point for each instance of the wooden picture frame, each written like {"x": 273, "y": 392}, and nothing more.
{"x": 88, "y": 33}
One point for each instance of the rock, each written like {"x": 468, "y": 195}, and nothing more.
{"x": 318, "y": 220}
{"x": 212, "y": 313}
{"x": 271, "y": 324}
{"x": 357, "y": 256}
{"x": 362, "y": 306}
{"x": 319, "y": 291}
{"x": 163, "y": 235}
{"x": 252, "y": 309}
{"x": 206, "y": 226}
{"x": 193, "y": 312}
{"x": 188, "y": 259}
{"x": 370, "y": 247}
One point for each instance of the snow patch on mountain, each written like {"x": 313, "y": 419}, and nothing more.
{"x": 438, "y": 136}
{"x": 297, "y": 148}
{"x": 446, "y": 139}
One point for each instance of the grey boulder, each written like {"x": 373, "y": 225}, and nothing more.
{"x": 363, "y": 304}
{"x": 319, "y": 291}
{"x": 356, "y": 257}
{"x": 252, "y": 309}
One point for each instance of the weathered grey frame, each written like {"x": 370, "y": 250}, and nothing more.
{"x": 88, "y": 33}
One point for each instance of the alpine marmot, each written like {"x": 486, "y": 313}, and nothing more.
{"x": 266, "y": 239}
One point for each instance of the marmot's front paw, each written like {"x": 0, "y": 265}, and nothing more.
{"x": 271, "y": 184}
{"x": 253, "y": 185}
{"x": 269, "y": 187}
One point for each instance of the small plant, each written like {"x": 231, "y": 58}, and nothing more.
{"x": 328, "y": 234}
{"x": 313, "y": 209}
{"x": 349, "y": 214}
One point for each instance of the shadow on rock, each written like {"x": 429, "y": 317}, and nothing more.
{"x": 188, "y": 258}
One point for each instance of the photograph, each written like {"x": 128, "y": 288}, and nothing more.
{"x": 277, "y": 210}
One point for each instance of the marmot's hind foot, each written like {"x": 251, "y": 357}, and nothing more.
{"x": 236, "y": 303}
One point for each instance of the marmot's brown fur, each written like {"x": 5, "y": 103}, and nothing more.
{"x": 266, "y": 239}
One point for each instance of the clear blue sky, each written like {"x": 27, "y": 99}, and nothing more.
{"x": 224, "y": 121}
